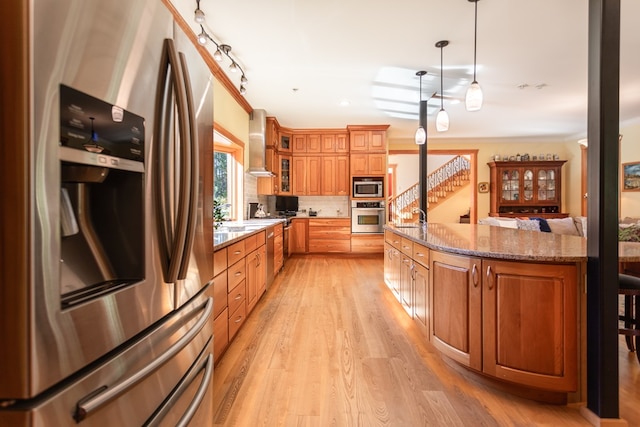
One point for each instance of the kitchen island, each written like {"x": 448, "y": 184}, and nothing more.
{"x": 506, "y": 304}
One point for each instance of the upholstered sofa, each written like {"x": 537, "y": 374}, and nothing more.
{"x": 628, "y": 230}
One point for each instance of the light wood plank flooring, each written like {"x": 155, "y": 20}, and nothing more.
{"x": 328, "y": 345}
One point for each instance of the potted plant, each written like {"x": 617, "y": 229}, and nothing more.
{"x": 219, "y": 213}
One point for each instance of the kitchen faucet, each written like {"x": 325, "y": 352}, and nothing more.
{"x": 423, "y": 215}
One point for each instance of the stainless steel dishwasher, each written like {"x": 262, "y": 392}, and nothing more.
{"x": 270, "y": 274}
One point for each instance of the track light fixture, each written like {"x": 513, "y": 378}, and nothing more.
{"x": 421, "y": 132}
{"x": 442, "y": 119}
{"x": 473, "y": 99}
{"x": 222, "y": 50}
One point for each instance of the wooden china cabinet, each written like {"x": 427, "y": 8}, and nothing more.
{"x": 530, "y": 188}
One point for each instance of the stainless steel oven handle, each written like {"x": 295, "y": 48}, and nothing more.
{"x": 207, "y": 365}
{"x": 107, "y": 393}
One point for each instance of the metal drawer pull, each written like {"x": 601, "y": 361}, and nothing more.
{"x": 207, "y": 365}
{"x": 108, "y": 393}
{"x": 239, "y": 319}
{"x": 238, "y": 297}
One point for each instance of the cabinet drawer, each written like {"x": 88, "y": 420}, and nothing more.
{"x": 219, "y": 261}
{"x": 236, "y": 297}
{"x": 343, "y": 233}
{"x": 250, "y": 244}
{"x": 393, "y": 239}
{"x": 235, "y": 252}
{"x": 220, "y": 334}
{"x": 236, "y": 274}
{"x": 220, "y": 293}
{"x": 329, "y": 245}
{"x": 342, "y": 222}
{"x": 236, "y": 319}
{"x": 278, "y": 230}
{"x": 367, "y": 243}
{"x": 406, "y": 247}
{"x": 421, "y": 254}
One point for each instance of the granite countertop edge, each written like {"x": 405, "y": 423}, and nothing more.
{"x": 223, "y": 239}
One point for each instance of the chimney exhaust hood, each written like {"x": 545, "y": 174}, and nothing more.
{"x": 258, "y": 144}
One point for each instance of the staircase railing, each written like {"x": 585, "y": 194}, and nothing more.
{"x": 441, "y": 182}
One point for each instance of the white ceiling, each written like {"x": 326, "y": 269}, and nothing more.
{"x": 302, "y": 57}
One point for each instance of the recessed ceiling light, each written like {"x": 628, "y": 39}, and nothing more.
{"x": 345, "y": 103}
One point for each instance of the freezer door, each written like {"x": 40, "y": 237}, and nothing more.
{"x": 164, "y": 378}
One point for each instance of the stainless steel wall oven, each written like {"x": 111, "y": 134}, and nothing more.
{"x": 367, "y": 216}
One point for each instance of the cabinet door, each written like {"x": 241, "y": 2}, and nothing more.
{"x": 377, "y": 164}
{"x": 298, "y": 236}
{"x": 406, "y": 284}
{"x": 298, "y": 175}
{"x": 261, "y": 271}
{"x": 328, "y": 176}
{"x": 510, "y": 185}
{"x": 299, "y": 144}
{"x": 328, "y": 144}
{"x": 456, "y": 307}
{"x": 359, "y": 164}
{"x": 546, "y": 181}
{"x": 285, "y": 142}
{"x": 251, "y": 296}
{"x": 314, "y": 143}
{"x": 529, "y": 318}
{"x": 285, "y": 174}
{"x": 377, "y": 141}
{"x": 421, "y": 297}
{"x": 342, "y": 176}
{"x": 314, "y": 175}
{"x": 342, "y": 143}
{"x": 359, "y": 140}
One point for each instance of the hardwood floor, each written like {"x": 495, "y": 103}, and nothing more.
{"x": 329, "y": 345}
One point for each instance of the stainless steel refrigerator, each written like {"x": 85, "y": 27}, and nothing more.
{"x": 107, "y": 244}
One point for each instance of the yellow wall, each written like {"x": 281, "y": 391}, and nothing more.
{"x": 630, "y": 152}
{"x": 231, "y": 116}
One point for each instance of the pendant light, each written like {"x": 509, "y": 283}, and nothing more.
{"x": 442, "y": 119}
{"x": 421, "y": 133}
{"x": 473, "y": 100}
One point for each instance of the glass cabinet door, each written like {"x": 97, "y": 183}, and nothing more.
{"x": 285, "y": 183}
{"x": 527, "y": 184}
{"x": 510, "y": 185}
{"x": 547, "y": 185}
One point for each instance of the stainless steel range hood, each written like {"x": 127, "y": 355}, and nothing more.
{"x": 257, "y": 144}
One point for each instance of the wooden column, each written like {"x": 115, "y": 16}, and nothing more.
{"x": 602, "y": 208}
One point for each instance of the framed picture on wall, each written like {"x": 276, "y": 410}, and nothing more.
{"x": 631, "y": 176}
{"x": 483, "y": 187}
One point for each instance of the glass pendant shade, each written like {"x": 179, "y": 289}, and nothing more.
{"x": 473, "y": 100}
{"x": 421, "y": 136}
{"x": 217, "y": 55}
{"x": 202, "y": 38}
{"x": 199, "y": 16}
{"x": 442, "y": 121}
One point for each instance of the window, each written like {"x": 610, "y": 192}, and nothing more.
{"x": 227, "y": 173}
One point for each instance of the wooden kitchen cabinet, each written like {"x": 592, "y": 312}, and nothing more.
{"x": 368, "y": 164}
{"x": 531, "y": 188}
{"x": 256, "y": 266}
{"x": 278, "y": 248}
{"x": 529, "y": 313}
{"x": 284, "y": 174}
{"x": 421, "y": 287}
{"x": 299, "y": 143}
{"x": 270, "y": 185}
{"x": 456, "y": 307}
{"x": 306, "y": 175}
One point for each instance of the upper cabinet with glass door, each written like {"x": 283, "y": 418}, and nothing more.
{"x": 531, "y": 188}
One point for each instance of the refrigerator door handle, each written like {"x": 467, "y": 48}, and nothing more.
{"x": 172, "y": 235}
{"x": 106, "y": 394}
{"x": 194, "y": 178}
{"x": 185, "y": 419}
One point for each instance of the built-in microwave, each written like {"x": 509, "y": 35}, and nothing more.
{"x": 368, "y": 187}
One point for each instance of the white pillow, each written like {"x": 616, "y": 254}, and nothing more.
{"x": 563, "y": 226}
{"x": 507, "y": 222}
{"x": 488, "y": 221}
{"x": 581, "y": 225}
